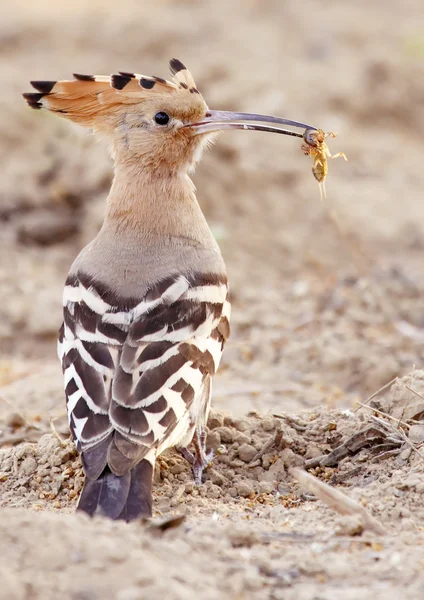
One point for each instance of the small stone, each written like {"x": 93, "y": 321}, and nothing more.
{"x": 213, "y": 491}
{"x": 215, "y": 420}
{"x": 276, "y": 471}
{"x": 312, "y": 452}
{"x": 241, "y": 438}
{"x": 15, "y": 420}
{"x": 216, "y": 477}
{"x": 291, "y": 459}
{"x": 226, "y": 434}
{"x": 351, "y": 525}
{"x": 246, "y": 453}
{"x": 267, "y": 460}
{"x": 266, "y": 487}
{"x": 213, "y": 440}
{"x": 245, "y": 488}
{"x": 177, "y": 495}
{"x": 416, "y": 434}
{"x": 241, "y": 425}
{"x": 269, "y": 424}
{"x": 28, "y": 466}
{"x": 240, "y": 536}
{"x": 189, "y": 487}
{"x": 283, "y": 489}
{"x": 237, "y": 464}
{"x": 177, "y": 469}
{"x": 232, "y": 492}
{"x": 405, "y": 454}
{"x": 412, "y": 481}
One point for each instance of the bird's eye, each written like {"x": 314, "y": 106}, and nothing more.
{"x": 161, "y": 118}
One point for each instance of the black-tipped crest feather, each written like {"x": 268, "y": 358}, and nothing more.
{"x": 147, "y": 84}
{"x": 176, "y": 65}
{"x": 33, "y": 99}
{"x": 118, "y": 82}
{"x": 84, "y": 77}
{"x": 45, "y": 87}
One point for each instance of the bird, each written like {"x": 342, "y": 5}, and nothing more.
{"x": 146, "y": 312}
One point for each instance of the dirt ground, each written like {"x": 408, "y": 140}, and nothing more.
{"x": 327, "y": 304}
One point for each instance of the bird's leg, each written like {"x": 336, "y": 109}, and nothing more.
{"x": 199, "y": 459}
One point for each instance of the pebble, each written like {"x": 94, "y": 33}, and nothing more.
{"x": 177, "y": 469}
{"x": 269, "y": 424}
{"x": 416, "y": 434}
{"x": 266, "y": 460}
{"x": 216, "y": 477}
{"x": 241, "y": 425}
{"x": 266, "y": 487}
{"x": 214, "y": 491}
{"x": 247, "y": 452}
{"x": 28, "y": 466}
{"x": 276, "y": 471}
{"x": 213, "y": 440}
{"x": 226, "y": 434}
{"x": 291, "y": 459}
{"x": 215, "y": 420}
{"x": 237, "y": 464}
{"x": 245, "y": 488}
{"x": 351, "y": 525}
{"x": 412, "y": 481}
{"x": 241, "y": 438}
{"x": 312, "y": 452}
{"x": 239, "y": 536}
{"x": 15, "y": 420}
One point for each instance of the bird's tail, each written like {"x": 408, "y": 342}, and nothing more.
{"x": 125, "y": 497}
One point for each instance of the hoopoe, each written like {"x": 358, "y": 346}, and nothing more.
{"x": 145, "y": 304}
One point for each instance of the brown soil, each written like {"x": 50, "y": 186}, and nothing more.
{"x": 322, "y": 318}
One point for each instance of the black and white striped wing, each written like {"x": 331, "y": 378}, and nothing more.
{"x": 136, "y": 371}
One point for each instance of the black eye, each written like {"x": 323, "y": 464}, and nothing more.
{"x": 161, "y": 118}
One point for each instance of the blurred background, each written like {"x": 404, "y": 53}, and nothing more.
{"x": 328, "y": 297}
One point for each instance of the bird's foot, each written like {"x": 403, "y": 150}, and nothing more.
{"x": 199, "y": 459}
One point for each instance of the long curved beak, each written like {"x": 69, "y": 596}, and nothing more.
{"x": 221, "y": 120}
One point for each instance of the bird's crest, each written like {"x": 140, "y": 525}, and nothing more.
{"x": 100, "y": 102}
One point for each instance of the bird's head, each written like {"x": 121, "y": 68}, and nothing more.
{"x": 162, "y": 124}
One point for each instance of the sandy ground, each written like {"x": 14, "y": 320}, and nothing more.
{"x": 323, "y": 314}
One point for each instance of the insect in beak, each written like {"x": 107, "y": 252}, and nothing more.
{"x": 221, "y": 120}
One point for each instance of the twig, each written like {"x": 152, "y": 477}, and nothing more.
{"x": 387, "y": 454}
{"x": 402, "y": 435}
{"x": 382, "y": 389}
{"x": 292, "y": 422}
{"x": 62, "y": 442}
{"x": 273, "y": 441}
{"x": 414, "y": 392}
{"x": 405, "y": 438}
{"x": 336, "y": 500}
{"x": 383, "y": 414}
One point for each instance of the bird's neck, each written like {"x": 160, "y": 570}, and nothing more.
{"x": 155, "y": 205}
